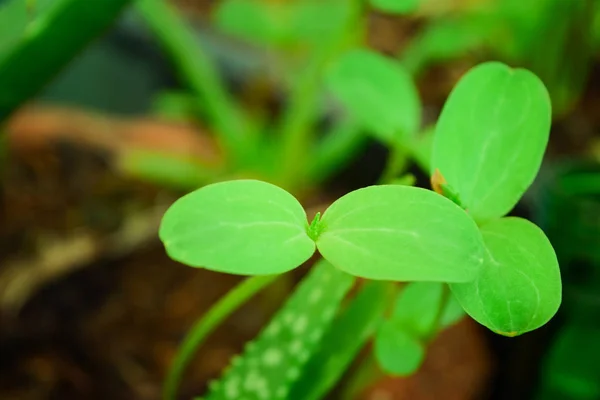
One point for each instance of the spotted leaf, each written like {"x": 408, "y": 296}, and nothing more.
{"x": 274, "y": 361}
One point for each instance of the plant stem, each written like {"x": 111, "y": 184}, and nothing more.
{"x": 197, "y": 70}
{"x": 207, "y": 324}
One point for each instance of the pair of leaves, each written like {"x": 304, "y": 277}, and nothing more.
{"x": 488, "y": 147}
{"x": 274, "y": 361}
{"x": 420, "y": 311}
{"x": 388, "y": 232}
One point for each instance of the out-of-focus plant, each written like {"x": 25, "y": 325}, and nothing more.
{"x": 517, "y": 32}
{"x": 37, "y": 40}
{"x": 454, "y": 243}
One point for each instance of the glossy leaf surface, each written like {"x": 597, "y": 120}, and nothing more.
{"x": 243, "y": 227}
{"x": 491, "y": 137}
{"x": 377, "y": 92}
{"x": 272, "y": 362}
{"x": 401, "y": 233}
{"x": 519, "y": 288}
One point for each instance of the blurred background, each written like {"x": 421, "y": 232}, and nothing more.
{"x": 111, "y": 109}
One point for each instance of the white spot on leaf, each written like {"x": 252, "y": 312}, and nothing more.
{"x": 272, "y": 357}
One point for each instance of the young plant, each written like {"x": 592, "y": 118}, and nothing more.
{"x": 487, "y": 149}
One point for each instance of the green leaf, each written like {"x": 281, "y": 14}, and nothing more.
{"x": 491, "y": 137}
{"x": 243, "y": 227}
{"x": 417, "y": 307}
{"x": 397, "y": 351}
{"x": 273, "y": 362}
{"x": 401, "y": 233}
{"x": 519, "y": 288}
{"x": 378, "y": 93}
{"x": 396, "y": 6}
{"x": 348, "y": 334}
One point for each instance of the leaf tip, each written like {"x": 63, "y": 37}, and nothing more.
{"x": 508, "y": 334}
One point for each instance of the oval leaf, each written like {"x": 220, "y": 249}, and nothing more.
{"x": 378, "y": 93}
{"x": 401, "y": 233}
{"x": 519, "y": 288}
{"x": 491, "y": 137}
{"x": 242, "y": 227}
{"x": 398, "y": 352}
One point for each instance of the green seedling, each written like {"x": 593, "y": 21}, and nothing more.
{"x": 487, "y": 148}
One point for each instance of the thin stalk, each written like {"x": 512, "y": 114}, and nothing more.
{"x": 197, "y": 70}
{"x": 207, "y": 324}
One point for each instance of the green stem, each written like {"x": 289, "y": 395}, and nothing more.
{"x": 207, "y": 324}
{"x": 198, "y": 71}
